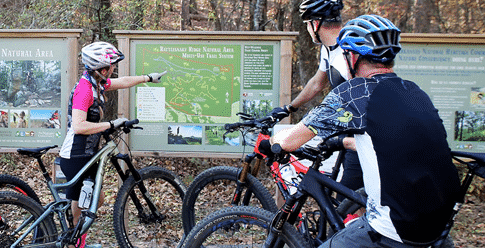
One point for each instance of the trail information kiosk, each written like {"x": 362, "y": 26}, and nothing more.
{"x": 211, "y": 77}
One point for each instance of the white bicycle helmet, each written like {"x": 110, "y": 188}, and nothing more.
{"x": 101, "y": 54}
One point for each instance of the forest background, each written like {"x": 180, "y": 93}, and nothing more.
{"x": 98, "y": 18}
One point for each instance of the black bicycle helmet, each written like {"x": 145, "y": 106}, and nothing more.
{"x": 374, "y": 37}
{"x": 324, "y": 10}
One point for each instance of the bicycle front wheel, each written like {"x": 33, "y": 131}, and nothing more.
{"x": 17, "y": 213}
{"x": 136, "y": 224}
{"x": 214, "y": 189}
{"x": 240, "y": 226}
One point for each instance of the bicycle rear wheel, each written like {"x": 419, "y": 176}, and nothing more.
{"x": 239, "y": 226}
{"x": 9, "y": 182}
{"x": 137, "y": 226}
{"x": 214, "y": 189}
{"x": 17, "y": 210}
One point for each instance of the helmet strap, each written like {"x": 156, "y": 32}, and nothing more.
{"x": 315, "y": 31}
{"x": 353, "y": 68}
{"x": 317, "y": 35}
{"x": 104, "y": 80}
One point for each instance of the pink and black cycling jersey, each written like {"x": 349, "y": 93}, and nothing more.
{"x": 84, "y": 96}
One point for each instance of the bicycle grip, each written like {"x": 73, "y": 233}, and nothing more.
{"x": 232, "y": 126}
{"x": 131, "y": 123}
{"x": 276, "y": 148}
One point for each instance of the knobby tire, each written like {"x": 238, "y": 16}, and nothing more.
{"x": 15, "y": 210}
{"x": 240, "y": 226}
{"x": 16, "y": 184}
{"x": 166, "y": 191}
{"x": 207, "y": 193}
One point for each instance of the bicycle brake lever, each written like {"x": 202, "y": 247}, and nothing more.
{"x": 224, "y": 136}
{"x": 245, "y": 116}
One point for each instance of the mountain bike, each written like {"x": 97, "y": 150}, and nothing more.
{"x": 222, "y": 186}
{"x": 245, "y": 225}
{"x": 148, "y": 201}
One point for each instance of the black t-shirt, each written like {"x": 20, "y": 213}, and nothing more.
{"x": 408, "y": 172}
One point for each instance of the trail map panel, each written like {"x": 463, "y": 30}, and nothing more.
{"x": 203, "y": 81}
{"x": 206, "y": 85}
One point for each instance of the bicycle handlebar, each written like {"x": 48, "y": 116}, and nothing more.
{"x": 265, "y": 122}
{"x": 321, "y": 152}
{"x": 126, "y": 128}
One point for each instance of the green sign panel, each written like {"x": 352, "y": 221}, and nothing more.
{"x": 32, "y": 89}
{"x": 453, "y": 76}
{"x": 207, "y": 84}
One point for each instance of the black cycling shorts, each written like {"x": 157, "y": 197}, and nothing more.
{"x": 70, "y": 167}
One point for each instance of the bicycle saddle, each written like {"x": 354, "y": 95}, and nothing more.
{"x": 32, "y": 152}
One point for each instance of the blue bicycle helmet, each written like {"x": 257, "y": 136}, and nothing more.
{"x": 374, "y": 37}
{"x": 325, "y": 10}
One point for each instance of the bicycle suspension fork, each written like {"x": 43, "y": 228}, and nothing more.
{"x": 139, "y": 182}
{"x": 242, "y": 178}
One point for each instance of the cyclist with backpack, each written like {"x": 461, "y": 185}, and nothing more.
{"x": 408, "y": 172}
{"x": 324, "y": 22}
{"x": 85, "y": 112}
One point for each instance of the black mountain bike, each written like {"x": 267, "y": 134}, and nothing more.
{"x": 250, "y": 226}
{"x": 148, "y": 201}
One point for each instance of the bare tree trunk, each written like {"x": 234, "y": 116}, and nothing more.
{"x": 280, "y": 15}
{"x": 105, "y": 21}
{"x": 185, "y": 22}
{"x": 193, "y": 7}
{"x": 217, "y": 20}
{"x": 260, "y": 16}
{"x": 422, "y": 16}
{"x": 252, "y": 7}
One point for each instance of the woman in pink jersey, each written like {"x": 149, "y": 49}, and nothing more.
{"x": 85, "y": 112}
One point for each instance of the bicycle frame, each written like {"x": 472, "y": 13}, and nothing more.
{"x": 314, "y": 183}
{"x": 259, "y": 158}
{"x": 62, "y": 207}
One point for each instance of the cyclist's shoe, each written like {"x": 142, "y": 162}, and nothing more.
{"x": 84, "y": 245}
{"x": 350, "y": 218}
